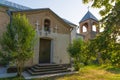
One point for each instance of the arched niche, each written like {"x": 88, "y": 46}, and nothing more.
{"x": 47, "y": 24}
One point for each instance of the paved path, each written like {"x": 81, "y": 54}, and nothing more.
{"x": 3, "y": 70}
{"x": 4, "y": 74}
{"x": 7, "y": 75}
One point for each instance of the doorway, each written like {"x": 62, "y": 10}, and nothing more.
{"x": 44, "y": 50}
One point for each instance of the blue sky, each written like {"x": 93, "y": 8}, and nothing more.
{"x": 72, "y": 10}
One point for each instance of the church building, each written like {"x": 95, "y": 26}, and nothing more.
{"x": 54, "y": 33}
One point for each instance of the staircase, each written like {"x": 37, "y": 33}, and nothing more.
{"x": 45, "y": 69}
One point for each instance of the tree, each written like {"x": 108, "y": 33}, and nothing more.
{"x": 106, "y": 5}
{"x": 107, "y": 42}
{"x": 18, "y": 41}
{"x": 78, "y": 51}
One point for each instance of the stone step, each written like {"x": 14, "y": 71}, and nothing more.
{"x": 47, "y": 72}
{"x": 48, "y": 69}
{"x": 48, "y": 64}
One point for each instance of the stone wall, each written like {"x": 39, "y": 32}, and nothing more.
{"x": 4, "y": 20}
{"x": 40, "y": 16}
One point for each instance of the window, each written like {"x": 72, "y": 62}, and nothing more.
{"x": 94, "y": 28}
{"x": 84, "y": 29}
{"x": 47, "y": 25}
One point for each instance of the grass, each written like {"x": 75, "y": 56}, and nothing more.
{"x": 12, "y": 78}
{"x": 92, "y": 72}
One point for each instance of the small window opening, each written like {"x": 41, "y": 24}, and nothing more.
{"x": 47, "y": 25}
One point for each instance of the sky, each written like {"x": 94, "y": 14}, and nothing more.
{"x": 72, "y": 10}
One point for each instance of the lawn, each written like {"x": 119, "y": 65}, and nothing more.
{"x": 92, "y": 73}
{"x": 89, "y": 73}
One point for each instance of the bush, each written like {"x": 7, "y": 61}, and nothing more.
{"x": 75, "y": 51}
{"x": 3, "y": 62}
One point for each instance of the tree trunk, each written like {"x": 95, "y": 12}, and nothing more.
{"x": 19, "y": 68}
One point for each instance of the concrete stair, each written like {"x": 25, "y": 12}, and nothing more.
{"x": 44, "y": 69}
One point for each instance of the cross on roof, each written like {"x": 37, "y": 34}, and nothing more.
{"x": 88, "y": 8}
{"x": 37, "y": 25}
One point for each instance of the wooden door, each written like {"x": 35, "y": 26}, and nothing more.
{"x": 45, "y": 50}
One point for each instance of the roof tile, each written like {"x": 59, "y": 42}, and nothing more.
{"x": 87, "y": 16}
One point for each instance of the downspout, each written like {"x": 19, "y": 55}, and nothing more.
{"x": 71, "y": 65}
{"x": 70, "y": 35}
{"x": 10, "y": 15}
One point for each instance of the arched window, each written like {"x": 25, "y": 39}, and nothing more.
{"x": 47, "y": 25}
{"x": 94, "y": 28}
{"x": 84, "y": 29}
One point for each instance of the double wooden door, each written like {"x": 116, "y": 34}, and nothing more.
{"x": 44, "y": 51}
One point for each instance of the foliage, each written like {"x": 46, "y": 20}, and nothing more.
{"x": 75, "y": 51}
{"x": 4, "y": 59}
{"x": 88, "y": 51}
{"x": 18, "y": 41}
{"x": 107, "y": 43}
{"x": 79, "y": 52}
{"x": 106, "y": 5}
{"x": 75, "y": 47}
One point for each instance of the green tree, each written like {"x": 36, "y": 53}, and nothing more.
{"x": 75, "y": 50}
{"x": 107, "y": 42}
{"x": 89, "y": 52}
{"x": 106, "y": 5}
{"x": 18, "y": 41}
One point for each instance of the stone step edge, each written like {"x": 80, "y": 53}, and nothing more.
{"x": 48, "y": 69}
{"x": 48, "y": 75}
{"x": 48, "y": 72}
{"x": 37, "y": 67}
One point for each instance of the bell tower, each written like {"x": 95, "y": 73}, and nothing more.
{"x": 89, "y": 26}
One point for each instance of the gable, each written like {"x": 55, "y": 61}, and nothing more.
{"x": 41, "y": 15}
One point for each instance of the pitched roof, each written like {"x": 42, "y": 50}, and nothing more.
{"x": 13, "y": 5}
{"x": 68, "y": 22}
{"x": 87, "y": 16}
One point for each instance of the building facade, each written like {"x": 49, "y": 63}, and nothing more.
{"x": 53, "y": 33}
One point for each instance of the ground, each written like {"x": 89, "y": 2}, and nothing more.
{"x": 92, "y": 72}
